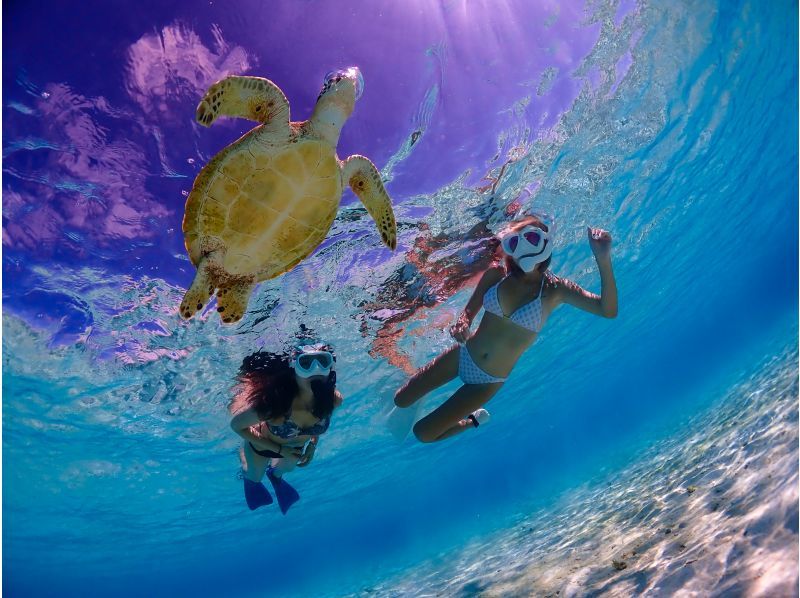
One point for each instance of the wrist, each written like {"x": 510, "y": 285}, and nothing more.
{"x": 603, "y": 259}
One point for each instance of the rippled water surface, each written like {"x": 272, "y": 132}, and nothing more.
{"x": 654, "y": 454}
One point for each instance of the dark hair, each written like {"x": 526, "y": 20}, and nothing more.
{"x": 266, "y": 382}
{"x": 324, "y": 390}
{"x": 324, "y": 396}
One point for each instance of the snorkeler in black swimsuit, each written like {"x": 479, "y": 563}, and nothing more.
{"x": 282, "y": 406}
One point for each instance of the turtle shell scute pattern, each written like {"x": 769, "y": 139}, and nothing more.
{"x": 268, "y": 206}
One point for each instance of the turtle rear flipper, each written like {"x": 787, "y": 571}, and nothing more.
{"x": 365, "y": 181}
{"x": 232, "y": 300}
{"x": 198, "y": 294}
{"x": 253, "y": 98}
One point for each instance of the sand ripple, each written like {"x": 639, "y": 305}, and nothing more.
{"x": 712, "y": 511}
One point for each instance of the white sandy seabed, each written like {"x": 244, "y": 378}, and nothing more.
{"x": 712, "y": 511}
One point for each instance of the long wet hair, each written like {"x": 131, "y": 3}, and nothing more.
{"x": 267, "y": 382}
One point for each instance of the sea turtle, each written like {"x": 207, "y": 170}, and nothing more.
{"x": 265, "y": 202}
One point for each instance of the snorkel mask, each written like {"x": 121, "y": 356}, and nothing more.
{"x": 313, "y": 360}
{"x": 528, "y": 246}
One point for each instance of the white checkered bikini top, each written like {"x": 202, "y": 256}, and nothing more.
{"x": 528, "y": 316}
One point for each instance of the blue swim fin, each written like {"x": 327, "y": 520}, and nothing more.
{"x": 287, "y": 495}
{"x": 256, "y": 494}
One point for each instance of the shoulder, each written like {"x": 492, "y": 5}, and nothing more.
{"x": 493, "y": 275}
{"x": 489, "y": 278}
{"x": 246, "y": 418}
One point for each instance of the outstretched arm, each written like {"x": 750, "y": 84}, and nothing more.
{"x": 460, "y": 330}
{"x": 604, "y": 304}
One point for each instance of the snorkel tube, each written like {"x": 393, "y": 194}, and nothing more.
{"x": 318, "y": 362}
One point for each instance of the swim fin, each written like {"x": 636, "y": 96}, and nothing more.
{"x": 400, "y": 420}
{"x": 256, "y": 494}
{"x": 286, "y": 494}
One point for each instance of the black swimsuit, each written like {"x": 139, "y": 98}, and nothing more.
{"x": 289, "y": 429}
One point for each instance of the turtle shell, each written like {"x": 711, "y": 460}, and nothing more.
{"x": 266, "y": 207}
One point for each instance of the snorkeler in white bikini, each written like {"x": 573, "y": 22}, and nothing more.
{"x": 528, "y": 292}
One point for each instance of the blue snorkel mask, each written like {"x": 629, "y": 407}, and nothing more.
{"x": 313, "y": 360}
{"x": 318, "y": 363}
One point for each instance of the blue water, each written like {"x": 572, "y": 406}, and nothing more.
{"x": 673, "y": 125}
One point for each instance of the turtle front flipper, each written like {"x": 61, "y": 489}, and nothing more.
{"x": 365, "y": 181}
{"x": 253, "y": 98}
{"x": 198, "y": 294}
{"x": 232, "y": 300}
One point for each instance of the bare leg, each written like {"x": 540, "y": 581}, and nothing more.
{"x": 448, "y": 419}
{"x": 285, "y": 464}
{"x": 254, "y": 464}
{"x": 438, "y": 372}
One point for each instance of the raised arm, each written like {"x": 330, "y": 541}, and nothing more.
{"x": 460, "y": 330}
{"x": 604, "y": 304}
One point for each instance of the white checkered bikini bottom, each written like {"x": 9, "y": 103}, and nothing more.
{"x": 470, "y": 373}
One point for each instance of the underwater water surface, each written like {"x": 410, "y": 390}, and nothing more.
{"x": 652, "y": 454}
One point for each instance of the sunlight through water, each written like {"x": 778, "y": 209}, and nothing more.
{"x": 652, "y": 454}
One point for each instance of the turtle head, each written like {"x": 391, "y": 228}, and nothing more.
{"x": 338, "y": 96}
